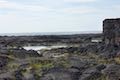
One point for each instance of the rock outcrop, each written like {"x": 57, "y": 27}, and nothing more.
{"x": 113, "y": 72}
{"x": 111, "y": 31}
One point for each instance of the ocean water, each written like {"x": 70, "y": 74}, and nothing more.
{"x": 36, "y": 48}
{"x": 49, "y": 33}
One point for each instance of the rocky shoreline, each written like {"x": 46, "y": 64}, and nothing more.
{"x": 86, "y": 57}
{"x": 89, "y": 61}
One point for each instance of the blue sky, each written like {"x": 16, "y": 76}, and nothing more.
{"x": 18, "y": 16}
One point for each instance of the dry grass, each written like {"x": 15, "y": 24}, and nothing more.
{"x": 117, "y": 60}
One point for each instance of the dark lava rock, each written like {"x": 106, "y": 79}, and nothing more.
{"x": 6, "y": 79}
{"x": 61, "y": 74}
{"x": 75, "y": 73}
{"x": 90, "y": 74}
{"x": 4, "y": 51}
{"x": 108, "y": 54}
{"x": 112, "y": 71}
{"x": 118, "y": 54}
{"x": 111, "y": 31}
{"x": 81, "y": 64}
{"x": 100, "y": 67}
{"x": 22, "y": 53}
{"x": 3, "y": 62}
{"x": 57, "y": 74}
{"x": 18, "y": 75}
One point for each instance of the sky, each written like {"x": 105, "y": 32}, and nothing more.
{"x": 19, "y": 16}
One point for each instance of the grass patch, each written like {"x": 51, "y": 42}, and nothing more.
{"x": 117, "y": 60}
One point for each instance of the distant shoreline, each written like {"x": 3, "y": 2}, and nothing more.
{"x": 50, "y": 33}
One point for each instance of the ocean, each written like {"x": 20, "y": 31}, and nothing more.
{"x": 49, "y": 33}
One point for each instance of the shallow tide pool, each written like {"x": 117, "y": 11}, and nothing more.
{"x": 36, "y": 48}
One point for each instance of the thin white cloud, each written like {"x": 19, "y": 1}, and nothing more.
{"x": 12, "y": 5}
{"x": 116, "y": 7}
{"x": 79, "y": 10}
{"x": 81, "y": 1}
{"x": 6, "y": 4}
